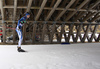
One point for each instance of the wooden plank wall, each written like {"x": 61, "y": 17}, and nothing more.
{"x": 80, "y": 16}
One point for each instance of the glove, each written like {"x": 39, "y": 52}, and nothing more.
{"x": 23, "y": 22}
{"x": 19, "y": 27}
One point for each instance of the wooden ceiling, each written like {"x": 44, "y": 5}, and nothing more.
{"x": 67, "y": 11}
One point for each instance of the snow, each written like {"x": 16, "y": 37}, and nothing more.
{"x": 56, "y": 56}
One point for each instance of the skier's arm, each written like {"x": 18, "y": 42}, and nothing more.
{"x": 19, "y": 26}
{"x": 20, "y": 22}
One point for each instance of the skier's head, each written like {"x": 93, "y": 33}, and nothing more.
{"x": 27, "y": 14}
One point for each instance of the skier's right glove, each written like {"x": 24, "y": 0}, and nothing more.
{"x": 19, "y": 27}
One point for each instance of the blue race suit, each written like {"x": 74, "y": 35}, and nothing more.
{"x": 19, "y": 30}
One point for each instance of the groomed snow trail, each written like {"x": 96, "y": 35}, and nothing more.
{"x": 57, "y": 56}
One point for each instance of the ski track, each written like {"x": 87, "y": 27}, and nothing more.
{"x": 57, "y": 56}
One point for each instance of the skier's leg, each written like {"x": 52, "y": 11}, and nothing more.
{"x": 1, "y": 38}
{"x": 20, "y": 41}
{"x": 21, "y": 38}
{"x": 19, "y": 35}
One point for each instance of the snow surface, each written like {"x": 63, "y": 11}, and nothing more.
{"x": 57, "y": 56}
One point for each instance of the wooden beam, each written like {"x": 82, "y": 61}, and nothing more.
{"x": 40, "y": 10}
{"x": 75, "y": 3}
{"x": 79, "y": 15}
{"x": 34, "y": 32}
{"x": 95, "y": 18}
{"x": 85, "y": 6}
{"x": 58, "y": 37}
{"x": 98, "y": 38}
{"x": 52, "y": 33}
{"x": 48, "y": 30}
{"x": 48, "y": 11}
{"x": 3, "y": 24}
{"x": 43, "y": 32}
{"x": 39, "y": 4}
{"x": 78, "y": 32}
{"x": 59, "y": 22}
{"x": 80, "y": 36}
{"x": 15, "y": 9}
{"x": 14, "y": 18}
{"x": 14, "y": 33}
{"x": 2, "y": 10}
{"x": 70, "y": 31}
{"x": 62, "y": 32}
{"x": 66, "y": 38}
{"x": 66, "y": 8}
{"x": 53, "y": 1}
{"x": 63, "y": 4}
{"x": 83, "y": 13}
{"x": 93, "y": 34}
{"x": 53, "y": 9}
{"x": 29, "y": 5}
{"x": 4, "y": 32}
{"x": 86, "y": 33}
{"x": 24, "y": 33}
{"x": 79, "y": 7}
{"x": 73, "y": 37}
{"x": 49, "y": 8}
{"x": 95, "y": 4}
{"x": 73, "y": 6}
{"x": 87, "y": 17}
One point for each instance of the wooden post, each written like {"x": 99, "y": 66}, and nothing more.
{"x": 43, "y": 32}
{"x": 15, "y": 9}
{"x": 93, "y": 34}
{"x": 14, "y": 33}
{"x": 34, "y": 32}
{"x": 62, "y": 32}
{"x": 52, "y": 33}
{"x": 78, "y": 32}
{"x": 4, "y": 32}
{"x": 70, "y": 31}
{"x": 24, "y": 33}
{"x": 73, "y": 37}
{"x": 86, "y": 33}
{"x": 14, "y": 18}
{"x": 66, "y": 38}
{"x": 2, "y": 10}
{"x": 3, "y": 24}
{"x": 48, "y": 31}
{"x": 97, "y": 40}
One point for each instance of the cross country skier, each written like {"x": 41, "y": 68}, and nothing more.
{"x": 19, "y": 30}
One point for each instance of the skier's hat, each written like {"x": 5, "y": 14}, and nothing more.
{"x": 27, "y": 14}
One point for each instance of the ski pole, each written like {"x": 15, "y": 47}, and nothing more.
{"x": 9, "y": 27}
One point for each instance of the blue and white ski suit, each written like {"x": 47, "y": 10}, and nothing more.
{"x": 19, "y": 30}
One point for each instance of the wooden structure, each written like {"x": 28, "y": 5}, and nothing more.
{"x": 52, "y": 20}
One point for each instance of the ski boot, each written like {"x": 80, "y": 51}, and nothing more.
{"x": 20, "y": 50}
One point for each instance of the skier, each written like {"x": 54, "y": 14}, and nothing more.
{"x": 19, "y": 31}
